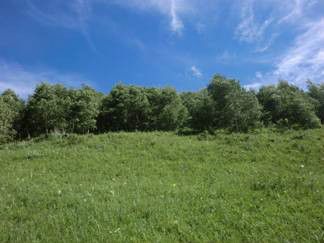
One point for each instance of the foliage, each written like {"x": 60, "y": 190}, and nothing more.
{"x": 242, "y": 111}
{"x": 84, "y": 110}
{"x": 233, "y": 107}
{"x": 125, "y": 108}
{"x": 201, "y": 110}
{"x": 131, "y": 108}
{"x": 6, "y": 117}
{"x": 47, "y": 109}
{"x": 167, "y": 110}
{"x": 317, "y": 93}
{"x": 224, "y": 104}
{"x": 10, "y": 115}
{"x": 287, "y": 104}
{"x": 54, "y": 108}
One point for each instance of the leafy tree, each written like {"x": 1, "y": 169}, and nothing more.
{"x": 287, "y": 105}
{"x": 10, "y": 115}
{"x": 167, "y": 110}
{"x": 201, "y": 110}
{"x": 271, "y": 106}
{"x": 233, "y": 107}
{"x": 224, "y": 104}
{"x": 317, "y": 93}
{"x": 84, "y": 109}
{"x": 125, "y": 108}
{"x": 6, "y": 117}
{"x": 47, "y": 109}
{"x": 132, "y": 108}
{"x": 242, "y": 111}
{"x": 14, "y": 102}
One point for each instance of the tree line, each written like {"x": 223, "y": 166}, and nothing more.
{"x": 224, "y": 104}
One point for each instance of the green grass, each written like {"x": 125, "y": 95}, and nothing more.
{"x": 160, "y": 187}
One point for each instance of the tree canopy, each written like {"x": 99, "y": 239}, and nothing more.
{"x": 317, "y": 93}
{"x": 223, "y": 104}
{"x": 11, "y": 108}
{"x": 131, "y": 108}
{"x": 287, "y": 105}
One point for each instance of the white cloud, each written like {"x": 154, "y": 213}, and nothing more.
{"x": 296, "y": 10}
{"x": 268, "y": 43}
{"x": 261, "y": 23}
{"x": 176, "y": 23}
{"x": 75, "y": 14}
{"x": 23, "y": 81}
{"x": 249, "y": 30}
{"x": 196, "y": 72}
{"x": 254, "y": 86}
{"x": 305, "y": 59}
{"x": 72, "y": 14}
{"x": 264, "y": 29}
{"x": 172, "y": 9}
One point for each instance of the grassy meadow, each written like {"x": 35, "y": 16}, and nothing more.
{"x": 265, "y": 186}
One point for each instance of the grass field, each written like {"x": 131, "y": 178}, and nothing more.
{"x": 159, "y": 187}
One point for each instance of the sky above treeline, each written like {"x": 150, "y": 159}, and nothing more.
{"x": 178, "y": 43}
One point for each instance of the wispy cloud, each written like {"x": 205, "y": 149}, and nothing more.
{"x": 268, "y": 43}
{"x": 75, "y": 14}
{"x": 23, "y": 80}
{"x": 260, "y": 26}
{"x": 176, "y": 23}
{"x": 249, "y": 29}
{"x": 172, "y": 9}
{"x": 258, "y": 82}
{"x": 305, "y": 59}
{"x": 296, "y": 10}
{"x": 195, "y": 72}
{"x": 263, "y": 30}
{"x": 72, "y": 14}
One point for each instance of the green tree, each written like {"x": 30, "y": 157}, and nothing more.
{"x": 167, "y": 110}
{"x": 287, "y": 105}
{"x": 234, "y": 108}
{"x": 125, "y": 108}
{"x": 200, "y": 109}
{"x": 317, "y": 93}
{"x": 132, "y": 108}
{"x": 84, "y": 109}
{"x": 6, "y": 117}
{"x": 242, "y": 111}
{"x": 47, "y": 109}
{"x": 10, "y": 115}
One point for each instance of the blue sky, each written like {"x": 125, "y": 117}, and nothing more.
{"x": 179, "y": 43}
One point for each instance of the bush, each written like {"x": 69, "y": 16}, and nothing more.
{"x": 73, "y": 139}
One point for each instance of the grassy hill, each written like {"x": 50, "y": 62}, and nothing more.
{"x": 159, "y": 187}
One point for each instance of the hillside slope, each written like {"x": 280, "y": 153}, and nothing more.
{"x": 145, "y": 187}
